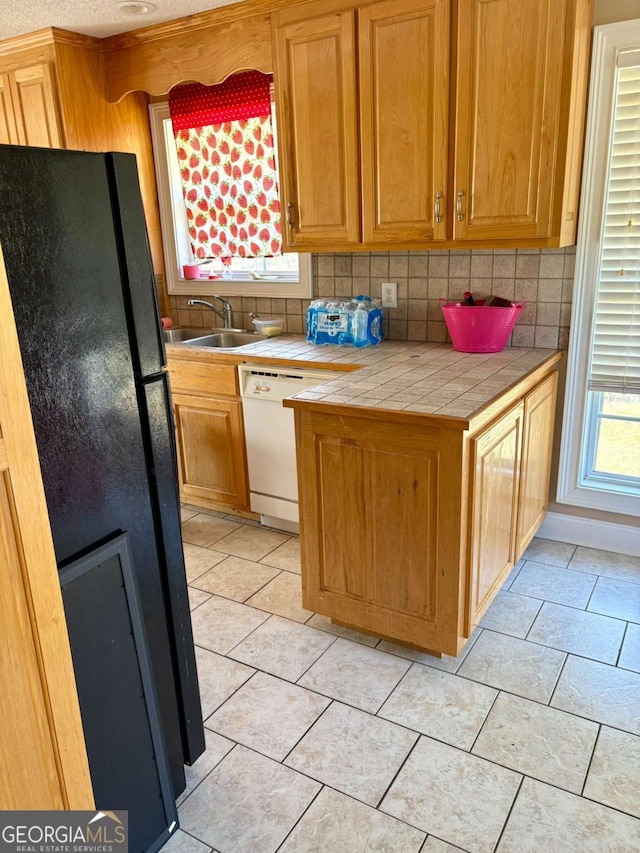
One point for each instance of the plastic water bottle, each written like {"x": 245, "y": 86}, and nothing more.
{"x": 312, "y": 323}
{"x": 375, "y": 326}
{"x": 360, "y": 324}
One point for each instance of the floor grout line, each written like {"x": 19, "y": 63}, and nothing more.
{"x": 224, "y": 702}
{"x": 315, "y": 797}
{"x": 395, "y": 776}
{"x": 595, "y": 586}
{"x": 593, "y": 752}
{"x": 303, "y": 736}
{"x": 297, "y": 681}
{"x": 553, "y": 648}
{"x": 226, "y": 597}
{"x": 484, "y": 722}
{"x": 557, "y": 682}
{"x": 206, "y": 775}
{"x": 622, "y": 642}
{"x": 504, "y": 825}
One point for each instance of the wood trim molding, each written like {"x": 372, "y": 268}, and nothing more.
{"x": 155, "y": 58}
{"x": 157, "y": 65}
{"x": 49, "y": 36}
{"x": 39, "y": 38}
{"x": 202, "y": 20}
{"x": 77, "y": 40}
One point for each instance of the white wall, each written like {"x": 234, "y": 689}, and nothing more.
{"x": 605, "y": 12}
{"x": 609, "y": 11}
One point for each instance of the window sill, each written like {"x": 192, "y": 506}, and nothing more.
{"x": 281, "y": 289}
{"x": 601, "y": 499}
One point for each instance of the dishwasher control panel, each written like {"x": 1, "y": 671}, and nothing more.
{"x": 277, "y": 384}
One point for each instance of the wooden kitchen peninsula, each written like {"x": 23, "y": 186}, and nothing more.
{"x": 423, "y": 477}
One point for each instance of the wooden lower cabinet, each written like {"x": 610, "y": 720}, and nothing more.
{"x": 212, "y": 459}
{"x": 495, "y": 471}
{"x": 211, "y": 452}
{"x": 370, "y": 505}
{"x": 537, "y": 443}
{"x": 410, "y": 526}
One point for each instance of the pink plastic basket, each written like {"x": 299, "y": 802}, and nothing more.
{"x": 474, "y": 328}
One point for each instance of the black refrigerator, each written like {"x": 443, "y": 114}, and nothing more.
{"x": 75, "y": 246}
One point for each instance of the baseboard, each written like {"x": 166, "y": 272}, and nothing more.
{"x": 621, "y": 538}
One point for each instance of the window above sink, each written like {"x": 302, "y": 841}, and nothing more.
{"x": 284, "y": 276}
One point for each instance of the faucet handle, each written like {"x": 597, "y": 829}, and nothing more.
{"x": 228, "y": 311}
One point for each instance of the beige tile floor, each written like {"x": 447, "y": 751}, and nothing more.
{"x": 323, "y": 740}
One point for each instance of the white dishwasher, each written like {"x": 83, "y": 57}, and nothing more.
{"x": 270, "y": 437}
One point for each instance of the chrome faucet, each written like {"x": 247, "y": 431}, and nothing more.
{"x": 226, "y": 315}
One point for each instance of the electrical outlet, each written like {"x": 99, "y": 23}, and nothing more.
{"x": 389, "y": 294}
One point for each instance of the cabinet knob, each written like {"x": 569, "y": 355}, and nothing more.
{"x": 459, "y": 210}
{"x": 290, "y": 218}
{"x": 438, "y": 210}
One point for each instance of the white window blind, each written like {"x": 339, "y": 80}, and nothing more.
{"x": 615, "y": 351}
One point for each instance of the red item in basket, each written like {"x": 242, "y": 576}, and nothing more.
{"x": 479, "y": 328}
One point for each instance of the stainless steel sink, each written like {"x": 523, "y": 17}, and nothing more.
{"x": 179, "y": 335}
{"x": 225, "y": 340}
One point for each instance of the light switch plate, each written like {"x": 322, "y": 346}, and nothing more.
{"x": 389, "y": 294}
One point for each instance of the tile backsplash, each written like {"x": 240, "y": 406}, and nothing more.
{"x": 543, "y": 278}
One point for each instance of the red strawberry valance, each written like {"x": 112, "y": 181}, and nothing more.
{"x": 228, "y": 167}
{"x": 243, "y": 95}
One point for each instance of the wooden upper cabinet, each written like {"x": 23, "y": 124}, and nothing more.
{"x": 8, "y": 133}
{"x": 470, "y": 131}
{"x": 510, "y": 63}
{"x": 36, "y": 107}
{"x": 404, "y": 114}
{"x": 318, "y": 133}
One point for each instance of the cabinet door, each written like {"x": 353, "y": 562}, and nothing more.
{"x": 537, "y": 444}
{"x": 317, "y": 130}
{"x": 36, "y": 107}
{"x": 8, "y": 134}
{"x": 507, "y": 121}
{"x": 375, "y": 550}
{"x": 494, "y": 508}
{"x": 211, "y": 452}
{"x": 404, "y": 97}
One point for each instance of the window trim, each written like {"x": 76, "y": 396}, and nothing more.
{"x": 177, "y": 286}
{"x": 609, "y": 39}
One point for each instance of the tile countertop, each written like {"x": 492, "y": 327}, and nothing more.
{"x": 399, "y": 376}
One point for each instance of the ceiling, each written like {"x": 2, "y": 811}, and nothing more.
{"x": 98, "y": 18}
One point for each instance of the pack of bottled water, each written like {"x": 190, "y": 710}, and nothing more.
{"x": 344, "y": 321}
